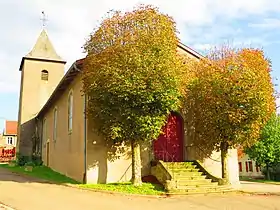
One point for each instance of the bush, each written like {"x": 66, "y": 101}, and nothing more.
{"x": 22, "y": 160}
{"x": 30, "y": 163}
{"x": 37, "y": 160}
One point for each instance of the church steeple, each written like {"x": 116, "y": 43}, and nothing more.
{"x": 43, "y": 50}
{"x": 41, "y": 71}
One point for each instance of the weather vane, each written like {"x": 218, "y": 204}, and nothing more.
{"x": 44, "y": 19}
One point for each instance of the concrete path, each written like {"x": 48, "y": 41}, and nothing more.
{"x": 23, "y": 193}
{"x": 260, "y": 187}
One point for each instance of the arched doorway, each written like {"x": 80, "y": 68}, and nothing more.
{"x": 169, "y": 145}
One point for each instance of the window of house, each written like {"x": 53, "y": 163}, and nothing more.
{"x": 249, "y": 166}
{"x": 70, "y": 112}
{"x": 258, "y": 168}
{"x": 45, "y": 130}
{"x": 10, "y": 140}
{"x": 44, "y": 75}
{"x": 55, "y": 124}
{"x": 240, "y": 166}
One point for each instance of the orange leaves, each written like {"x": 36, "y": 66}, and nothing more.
{"x": 232, "y": 94}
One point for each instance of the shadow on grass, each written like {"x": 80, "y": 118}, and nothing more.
{"x": 45, "y": 175}
{"x": 39, "y": 174}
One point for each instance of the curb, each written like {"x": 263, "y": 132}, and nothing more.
{"x": 161, "y": 196}
{"x": 164, "y": 195}
{"x": 260, "y": 193}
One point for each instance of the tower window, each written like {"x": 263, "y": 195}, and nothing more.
{"x": 44, "y": 75}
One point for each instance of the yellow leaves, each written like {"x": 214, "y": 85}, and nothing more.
{"x": 231, "y": 92}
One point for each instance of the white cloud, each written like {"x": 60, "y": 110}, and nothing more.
{"x": 267, "y": 23}
{"x": 70, "y": 22}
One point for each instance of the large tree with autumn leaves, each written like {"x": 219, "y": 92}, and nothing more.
{"x": 132, "y": 76}
{"x": 229, "y": 99}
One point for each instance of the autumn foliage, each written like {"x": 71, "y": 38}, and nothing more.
{"x": 229, "y": 99}
{"x": 132, "y": 75}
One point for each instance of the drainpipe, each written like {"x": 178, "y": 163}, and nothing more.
{"x": 85, "y": 141}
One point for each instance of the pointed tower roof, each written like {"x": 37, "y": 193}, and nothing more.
{"x": 43, "y": 50}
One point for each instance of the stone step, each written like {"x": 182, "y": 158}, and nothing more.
{"x": 194, "y": 182}
{"x": 184, "y": 170}
{"x": 185, "y": 174}
{"x": 179, "y": 164}
{"x": 213, "y": 185}
{"x": 218, "y": 189}
{"x": 201, "y": 177}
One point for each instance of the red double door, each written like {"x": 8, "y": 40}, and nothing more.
{"x": 169, "y": 145}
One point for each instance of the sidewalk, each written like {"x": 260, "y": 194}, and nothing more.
{"x": 260, "y": 188}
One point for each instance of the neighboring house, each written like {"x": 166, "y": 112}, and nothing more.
{"x": 248, "y": 167}
{"x": 52, "y": 109}
{"x": 9, "y": 137}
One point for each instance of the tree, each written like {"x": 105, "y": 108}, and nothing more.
{"x": 229, "y": 99}
{"x": 132, "y": 76}
{"x": 266, "y": 152}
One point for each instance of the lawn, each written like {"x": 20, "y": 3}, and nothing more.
{"x": 48, "y": 174}
{"x": 127, "y": 187}
{"x": 260, "y": 181}
{"x": 41, "y": 172}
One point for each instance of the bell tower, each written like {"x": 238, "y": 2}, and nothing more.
{"x": 41, "y": 71}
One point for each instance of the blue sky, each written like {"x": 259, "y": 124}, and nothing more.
{"x": 201, "y": 23}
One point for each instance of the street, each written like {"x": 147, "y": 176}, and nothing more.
{"x": 22, "y": 193}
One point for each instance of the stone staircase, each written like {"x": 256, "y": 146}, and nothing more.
{"x": 188, "y": 178}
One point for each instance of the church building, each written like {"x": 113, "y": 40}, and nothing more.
{"x": 53, "y": 124}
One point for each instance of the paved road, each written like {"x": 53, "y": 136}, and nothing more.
{"x": 260, "y": 187}
{"x": 29, "y": 194}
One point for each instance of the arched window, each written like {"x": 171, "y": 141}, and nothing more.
{"x": 55, "y": 125}
{"x": 70, "y": 112}
{"x": 44, "y": 75}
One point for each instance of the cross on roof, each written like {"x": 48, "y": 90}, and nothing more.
{"x": 44, "y": 19}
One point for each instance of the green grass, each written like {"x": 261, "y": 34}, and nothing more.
{"x": 127, "y": 187}
{"x": 45, "y": 173}
{"x": 260, "y": 180}
{"x": 41, "y": 172}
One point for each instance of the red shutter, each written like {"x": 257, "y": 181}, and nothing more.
{"x": 246, "y": 166}
{"x": 240, "y": 166}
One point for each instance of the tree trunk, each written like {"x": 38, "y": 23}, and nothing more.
{"x": 224, "y": 161}
{"x": 267, "y": 172}
{"x": 136, "y": 164}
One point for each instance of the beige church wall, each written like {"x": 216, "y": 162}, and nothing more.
{"x": 33, "y": 95}
{"x": 103, "y": 166}
{"x": 66, "y": 155}
{"x": 37, "y": 90}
